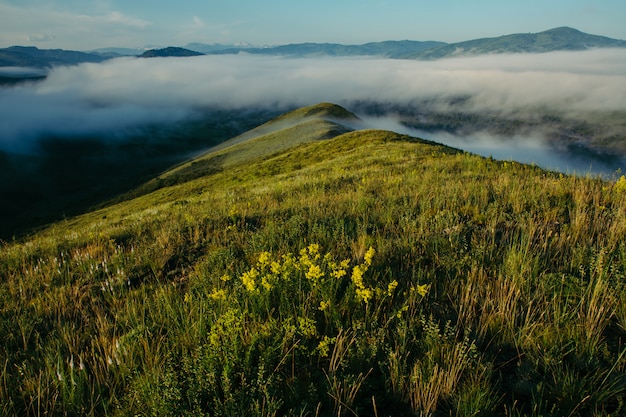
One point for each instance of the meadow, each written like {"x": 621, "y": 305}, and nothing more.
{"x": 365, "y": 274}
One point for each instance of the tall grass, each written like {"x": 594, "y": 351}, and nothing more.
{"x": 368, "y": 275}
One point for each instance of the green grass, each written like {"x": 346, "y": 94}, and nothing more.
{"x": 368, "y": 274}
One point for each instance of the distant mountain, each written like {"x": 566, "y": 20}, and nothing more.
{"x": 170, "y": 51}
{"x": 206, "y": 48}
{"x": 117, "y": 52}
{"x": 388, "y": 49}
{"x": 30, "y": 56}
{"x": 558, "y": 39}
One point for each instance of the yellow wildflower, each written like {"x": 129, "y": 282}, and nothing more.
{"x": 422, "y": 290}
{"x": 275, "y": 268}
{"x": 391, "y": 287}
{"x": 324, "y": 305}
{"x": 620, "y": 185}
{"x": 324, "y": 345}
{"x": 357, "y": 276}
{"x": 265, "y": 283}
{"x": 364, "y": 294}
{"x": 339, "y": 271}
{"x": 314, "y": 251}
{"x": 369, "y": 255}
{"x": 306, "y": 327}
{"x": 314, "y": 273}
{"x": 402, "y": 310}
{"x": 218, "y": 294}
{"x": 264, "y": 259}
{"x": 248, "y": 279}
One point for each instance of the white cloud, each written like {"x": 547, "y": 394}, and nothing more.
{"x": 68, "y": 30}
{"x": 119, "y": 18}
{"x": 129, "y": 92}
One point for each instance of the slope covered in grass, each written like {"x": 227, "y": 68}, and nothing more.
{"x": 319, "y": 122}
{"x": 367, "y": 274}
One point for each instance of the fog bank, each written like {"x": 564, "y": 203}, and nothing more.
{"x": 114, "y": 97}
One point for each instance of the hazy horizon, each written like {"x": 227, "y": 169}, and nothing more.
{"x": 77, "y": 25}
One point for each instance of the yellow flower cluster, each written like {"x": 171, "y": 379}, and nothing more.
{"x": 317, "y": 271}
{"x": 338, "y": 270}
{"x": 620, "y": 185}
{"x": 324, "y": 345}
{"x": 391, "y": 287}
{"x": 249, "y": 279}
{"x": 422, "y": 290}
{"x": 363, "y": 292}
{"x": 218, "y": 294}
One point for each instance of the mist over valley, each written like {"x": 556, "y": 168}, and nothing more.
{"x": 88, "y": 132}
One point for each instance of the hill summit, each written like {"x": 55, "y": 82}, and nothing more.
{"x": 170, "y": 51}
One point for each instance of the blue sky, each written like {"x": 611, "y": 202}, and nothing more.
{"x": 89, "y": 24}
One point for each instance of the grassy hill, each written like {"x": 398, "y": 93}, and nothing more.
{"x": 329, "y": 272}
{"x": 66, "y": 176}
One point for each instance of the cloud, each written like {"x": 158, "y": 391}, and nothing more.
{"x": 123, "y": 94}
{"x": 119, "y": 18}
{"x": 39, "y": 38}
{"x": 70, "y": 29}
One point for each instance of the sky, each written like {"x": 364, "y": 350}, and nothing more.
{"x": 92, "y": 24}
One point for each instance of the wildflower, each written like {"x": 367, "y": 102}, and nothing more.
{"x": 225, "y": 277}
{"x": 314, "y": 251}
{"x": 309, "y": 254}
{"x": 218, "y": 295}
{"x": 264, "y": 259}
{"x": 402, "y": 310}
{"x": 364, "y": 294}
{"x": 314, "y": 273}
{"x": 248, "y": 279}
{"x": 357, "y": 276}
{"x": 275, "y": 268}
{"x": 306, "y": 327}
{"x": 324, "y": 345}
{"x": 265, "y": 283}
{"x": 324, "y": 305}
{"x": 620, "y": 185}
{"x": 369, "y": 255}
{"x": 422, "y": 290}
{"x": 339, "y": 271}
{"x": 391, "y": 287}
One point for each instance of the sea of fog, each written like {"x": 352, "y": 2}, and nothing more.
{"x": 532, "y": 149}
{"x": 118, "y": 96}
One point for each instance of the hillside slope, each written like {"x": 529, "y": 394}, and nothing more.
{"x": 366, "y": 274}
{"x": 30, "y": 56}
{"x": 557, "y": 39}
{"x": 318, "y": 122}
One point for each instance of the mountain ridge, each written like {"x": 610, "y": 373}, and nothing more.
{"x": 556, "y": 39}
{"x": 298, "y": 127}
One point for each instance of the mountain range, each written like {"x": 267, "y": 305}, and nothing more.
{"x": 557, "y": 39}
